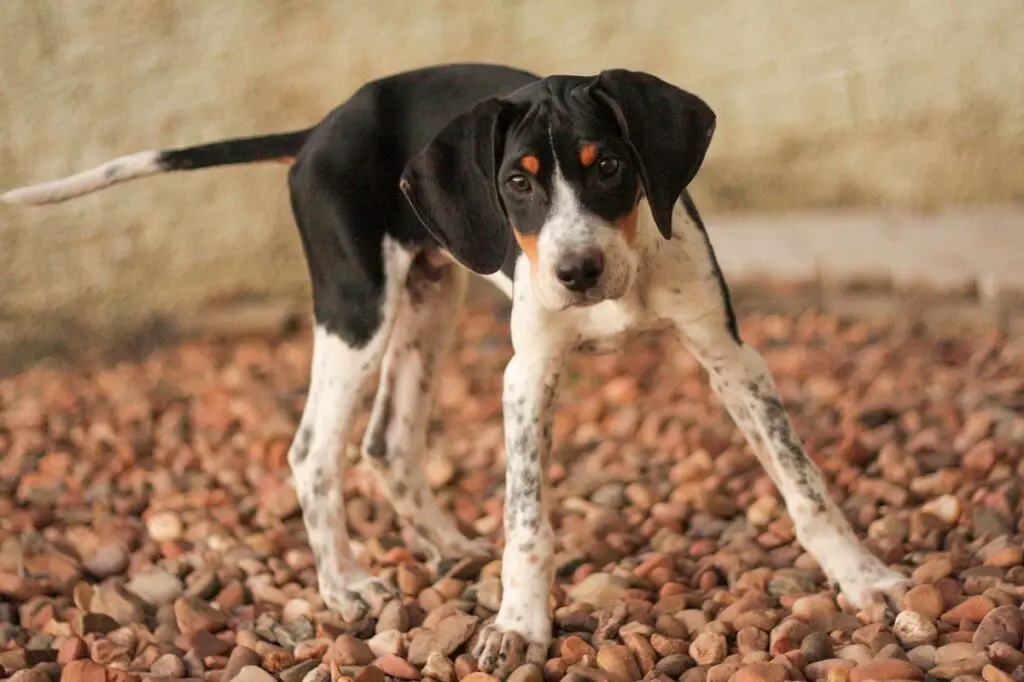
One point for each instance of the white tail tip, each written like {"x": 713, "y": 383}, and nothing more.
{"x": 112, "y": 172}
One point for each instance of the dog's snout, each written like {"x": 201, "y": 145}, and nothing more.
{"x": 580, "y": 271}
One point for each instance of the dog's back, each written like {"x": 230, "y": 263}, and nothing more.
{"x": 390, "y": 119}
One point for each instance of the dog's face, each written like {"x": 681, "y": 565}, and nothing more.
{"x": 570, "y": 191}
{"x": 561, "y": 166}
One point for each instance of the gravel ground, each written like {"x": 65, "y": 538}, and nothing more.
{"x": 148, "y": 528}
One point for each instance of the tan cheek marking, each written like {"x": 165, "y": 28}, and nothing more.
{"x": 531, "y": 164}
{"x": 627, "y": 225}
{"x": 528, "y": 243}
{"x": 588, "y": 154}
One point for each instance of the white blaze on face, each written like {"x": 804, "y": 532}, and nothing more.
{"x": 570, "y": 229}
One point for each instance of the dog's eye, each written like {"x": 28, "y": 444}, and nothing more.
{"x": 608, "y": 167}
{"x": 519, "y": 183}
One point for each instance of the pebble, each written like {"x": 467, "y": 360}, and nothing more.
{"x": 156, "y": 586}
{"x": 450, "y": 634}
{"x": 933, "y": 571}
{"x": 387, "y": 642}
{"x": 107, "y": 560}
{"x": 251, "y": 673}
{"x": 973, "y": 609}
{"x": 295, "y": 610}
{"x": 761, "y": 672}
{"x": 349, "y": 650}
{"x": 241, "y": 656}
{"x": 642, "y": 651}
{"x": 816, "y": 609}
{"x": 193, "y": 614}
{"x": 72, "y": 649}
{"x": 168, "y": 665}
{"x": 526, "y": 673}
{"x": 945, "y": 507}
{"x": 1006, "y": 656}
{"x": 958, "y": 658}
{"x": 823, "y": 670}
{"x": 708, "y": 648}
{"x": 751, "y": 639}
{"x": 205, "y": 643}
{"x": 1001, "y": 624}
{"x": 675, "y": 665}
{"x": 312, "y": 648}
{"x": 96, "y": 624}
{"x": 488, "y": 593}
{"x": 885, "y": 669}
{"x": 32, "y": 675}
{"x": 397, "y": 667}
{"x": 924, "y": 599}
{"x": 912, "y": 629}
{"x": 89, "y": 671}
{"x": 479, "y": 677}
{"x": 439, "y": 471}
{"x": 114, "y": 600}
{"x": 816, "y": 646}
{"x": 573, "y": 648}
{"x": 990, "y": 673}
{"x": 618, "y": 661}
{"x": 370, "y": 673}
{"x": 164, "y": 526}
{"x": 439, "y": 667}
{"x": 598, "y": 590}
{"x": 298, "y": 672}
{"x": 393, "y": 617}
{"x": 411, "y": 579}
{"x": 923, "y": 656}
{"x": 788, "y": 636}
{"x": 1006, "y": 557}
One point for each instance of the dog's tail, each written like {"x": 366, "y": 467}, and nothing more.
{"x": 279, "y": 147}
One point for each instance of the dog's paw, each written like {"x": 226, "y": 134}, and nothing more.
{"x": 876, "y": 594}
{"x": 452, "y": 546}
{"x": 499, "y": 651}
{"x": 460, "y": 547}
{"x": 357, "y": 596}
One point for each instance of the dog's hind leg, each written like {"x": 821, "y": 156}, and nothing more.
{"x": 395, "y": 439}
{"x": 358, "y": 275}
{"x": 337, "y": 374}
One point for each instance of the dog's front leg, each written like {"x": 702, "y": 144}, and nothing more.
{"x": 691, "y": 293}
{"x": 521, "y": 632}
{"x": 740, "y": 378}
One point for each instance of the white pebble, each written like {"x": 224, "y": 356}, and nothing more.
{"x": 164, "y": 526}
{"x": 914, "y": 629}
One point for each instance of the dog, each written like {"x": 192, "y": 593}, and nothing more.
{"x": 569, "y": 193}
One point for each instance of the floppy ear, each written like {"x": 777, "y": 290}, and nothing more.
{"x": 668, "y": 129}
{"x": 452, "y": 187}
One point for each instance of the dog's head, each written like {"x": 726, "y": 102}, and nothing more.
{"x": 563, "y": 164}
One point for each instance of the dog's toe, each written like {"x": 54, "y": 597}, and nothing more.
{"x": 877, "y": 595}
{"x": 359, "y": 597}
{"x": 499, "y": 651}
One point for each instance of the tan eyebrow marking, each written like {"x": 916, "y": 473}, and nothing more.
{"x": 588, "y": 154}
{"x": 531, "y": 163}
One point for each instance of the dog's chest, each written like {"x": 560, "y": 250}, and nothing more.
{"x": 604, "y": 328}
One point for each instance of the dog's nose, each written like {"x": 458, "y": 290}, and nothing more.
{"x": 580, "y": 271}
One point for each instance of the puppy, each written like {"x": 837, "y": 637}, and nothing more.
{"x": 569, "y": 194}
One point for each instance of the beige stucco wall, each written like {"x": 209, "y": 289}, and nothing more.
{"x": 914, "y": 104}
